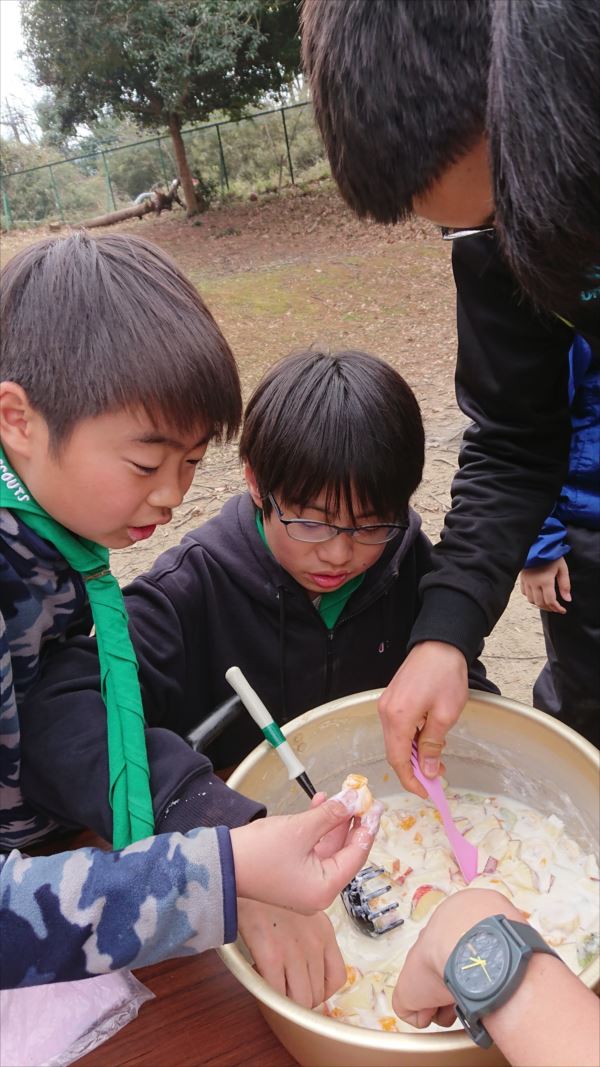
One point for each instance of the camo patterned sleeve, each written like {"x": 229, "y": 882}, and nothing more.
{"x": 87, "y": 912}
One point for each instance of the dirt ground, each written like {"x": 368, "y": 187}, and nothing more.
{"x": 281, "y": 273}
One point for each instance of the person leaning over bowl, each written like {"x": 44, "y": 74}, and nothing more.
{"x": 463, "y": 114}
{"x": 308, "y": 582}
{"x": 478, "y": 955}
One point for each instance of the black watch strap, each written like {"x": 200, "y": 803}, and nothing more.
{"x": 528, "y": 935}
{"x": 521, "y": 942}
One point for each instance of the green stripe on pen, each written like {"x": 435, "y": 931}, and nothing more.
{"x": 273, "y": 734}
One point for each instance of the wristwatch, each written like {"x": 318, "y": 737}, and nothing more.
{"x": 487, "y": 966}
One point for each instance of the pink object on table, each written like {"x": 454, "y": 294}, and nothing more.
{"x": 464, "y": 852}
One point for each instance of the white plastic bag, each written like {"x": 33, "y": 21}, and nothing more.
{"x": 53, "y": 1025}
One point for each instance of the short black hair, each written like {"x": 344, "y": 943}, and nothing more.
{"x": 399, "y": 90}
{"x": 403, "y": 88}
{"x": 544, "y": 132}
{"x": 93, "y": 325}
{"x": 341, "y": 422}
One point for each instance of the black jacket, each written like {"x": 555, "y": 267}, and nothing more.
{"x": 218, "y": 599}
{"x": 512, "y": 381}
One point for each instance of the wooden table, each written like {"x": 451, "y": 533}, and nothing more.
{"x": 201, "y": 1015}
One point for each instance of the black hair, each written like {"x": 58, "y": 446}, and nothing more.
{"x": 93, "y": 325}
{"x": 341, "y": 422}
{"x": 403, "y": 88}
{"x": 544, "y": 128}
{"x": 399, "y": 93}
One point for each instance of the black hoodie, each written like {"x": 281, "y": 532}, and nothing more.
{"x": 218, "y": 599}
{"x": 512, "y": 382}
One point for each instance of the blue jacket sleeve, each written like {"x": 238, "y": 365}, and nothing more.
{"x": 88, "y": 912}
{"x": 550, "y": 543}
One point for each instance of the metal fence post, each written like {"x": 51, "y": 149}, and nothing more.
{"x": 287, "y": 145}
{"x": 162, "y": 160}
{"x": 224, "y": 175}
{"x": 56, "y": 196}
{"x": 6, "y": 209}
{"x": 109, "y": 188}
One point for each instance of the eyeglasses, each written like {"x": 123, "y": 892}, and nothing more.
{"x": 306, "y": 530}
{"x": 449, "y": 233}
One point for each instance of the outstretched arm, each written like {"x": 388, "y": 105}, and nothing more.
{"x": 78, "y": 914}
{"x": 511, "y": 380}
{"x": 551, "y": 1018}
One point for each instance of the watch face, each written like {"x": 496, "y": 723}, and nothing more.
{"x": 481, "y": 963}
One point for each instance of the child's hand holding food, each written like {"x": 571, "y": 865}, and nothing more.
{"x": 303, "y": 861}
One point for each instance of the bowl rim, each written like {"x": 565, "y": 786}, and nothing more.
{"x": 323, "y": 1025}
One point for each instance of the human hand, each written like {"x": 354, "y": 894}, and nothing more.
{"x": 297, "y": 955}
{"x": 421, "y": 995}
{"x": 426, "y": 694}
{"x": 540, "y": 584}
{"x": 303, "y": 861}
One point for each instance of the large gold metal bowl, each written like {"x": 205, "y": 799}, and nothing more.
{"x": 498, "y": 746}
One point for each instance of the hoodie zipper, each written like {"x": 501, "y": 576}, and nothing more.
{"x": 329, "y": 664}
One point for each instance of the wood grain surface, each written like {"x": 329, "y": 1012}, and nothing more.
{"x": 201, "y": 1015}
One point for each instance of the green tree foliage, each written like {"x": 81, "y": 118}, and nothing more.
{"x": 162, "y": 63}
{"x": 41, "y": 195}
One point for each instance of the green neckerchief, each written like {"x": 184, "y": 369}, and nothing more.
{"x": 129, "y": 775}
{"x": 331, "y": 605}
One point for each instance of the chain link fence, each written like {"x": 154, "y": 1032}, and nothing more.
{"x": 262, "y": 152}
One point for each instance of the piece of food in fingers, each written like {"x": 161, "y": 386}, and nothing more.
{"x": 360, "y": 784}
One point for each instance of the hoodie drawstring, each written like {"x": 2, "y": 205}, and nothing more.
{"x": 384, "y": 612}
{"x": 281, "y": 597}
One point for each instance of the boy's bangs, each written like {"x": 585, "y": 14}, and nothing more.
{"x": 178, "y": 365}
{"x": 342, "y": 424}
{"x": 351, "y": 483}
{"x": 196, "y": 390}
{"x": 92, "y": 325}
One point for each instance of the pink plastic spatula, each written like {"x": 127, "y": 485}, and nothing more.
{"x": 464, "y": 851}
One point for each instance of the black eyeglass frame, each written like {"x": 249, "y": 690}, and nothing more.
{"x": 394, "y": 528}
{"x": 450, "y": 233}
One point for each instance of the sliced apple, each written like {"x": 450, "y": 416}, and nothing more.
{"x": 425, "y": 898}
{"x": 479, "y": 830}
{"x": 362, "y": 995}
{"x": 487, "y": 881}
{"x": 495, "y": 843}
{"x": 523, "y": 876}
{"x": 559, "y": 917}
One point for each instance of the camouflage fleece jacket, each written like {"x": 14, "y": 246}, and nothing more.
{"x": 78, "y": 914}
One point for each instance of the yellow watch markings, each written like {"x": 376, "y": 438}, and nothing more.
{"x": 477, "y": 961}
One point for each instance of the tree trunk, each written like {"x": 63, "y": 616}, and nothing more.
{"x": 192, "y": 204}
{"x": 136, "y": 211}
